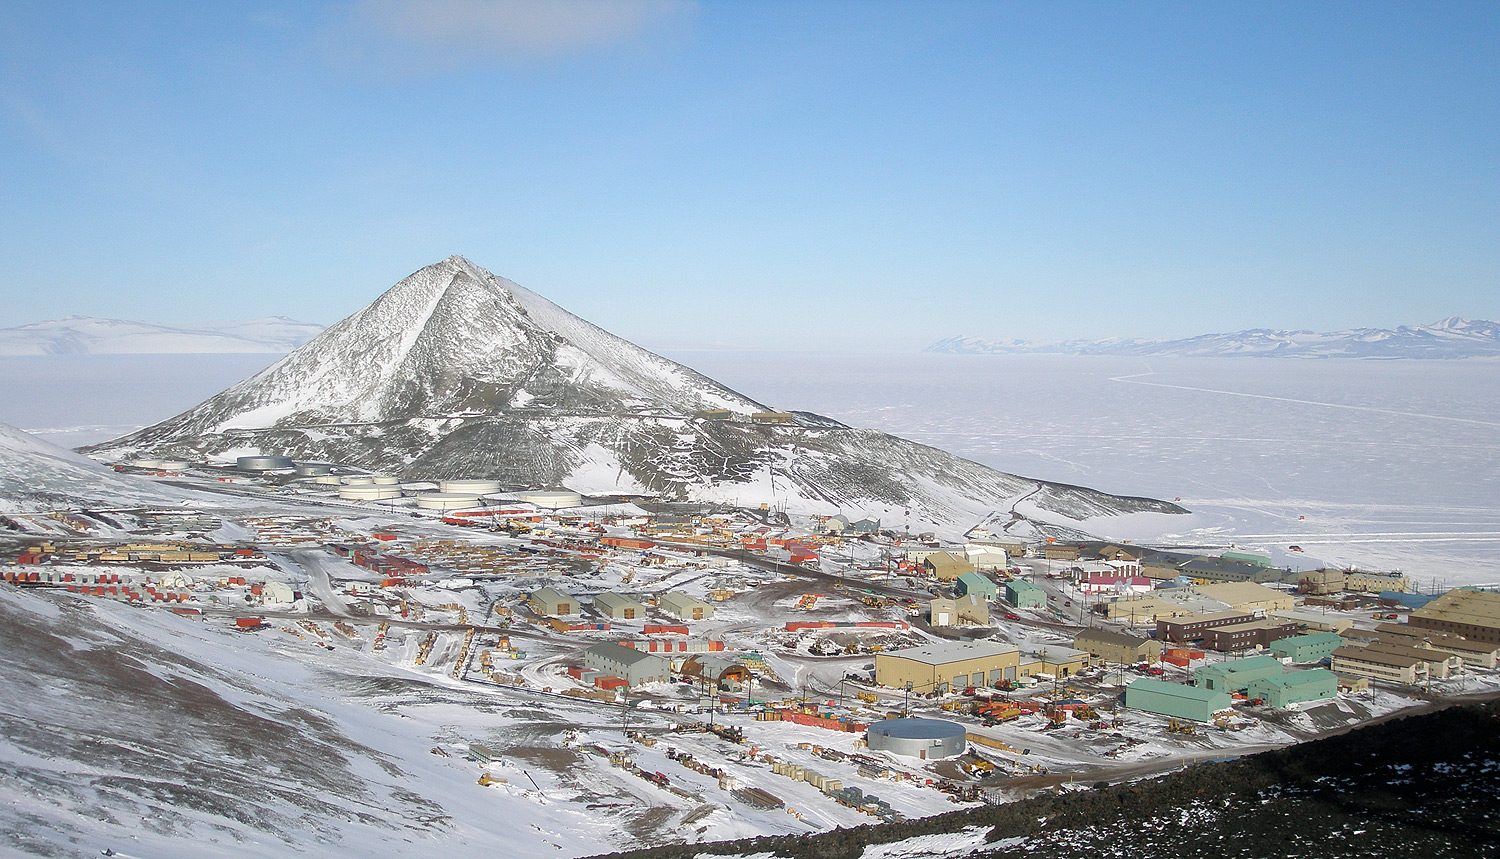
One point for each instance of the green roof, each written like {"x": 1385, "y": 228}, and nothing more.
{"x": 1293, "y": 679}
{"x": 1020, "y": 586}
{"x": 1178, "y": 690}
{"x": 1239, "y": 666}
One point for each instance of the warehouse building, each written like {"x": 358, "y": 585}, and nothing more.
{"x": 928, "y": 739}
{"x": 1062, "y": 552}
{"x": 1023, "y": 594}
{"x": 1307, "y": 648}
{"x": 1295, "y": 687}
{"x": 1475, "y": 615}
{"x": 619, "y": 607}
{"x": 1175, "y": 699}
{"x": 684, "y": 607}
{"x": 1236, "y": 674}
{"x": 976, "y": 584}
{"x": 549, "y": 602}
{"x": 985, "y": 557}
{"x": 1053, "y": 659}
{"x": 936, "y": 667}
{"x": 946, "y": 566}
{"x": 633, "y": 666}
{"x": 1118, "y": 647}
{"x": 961, "y": 611}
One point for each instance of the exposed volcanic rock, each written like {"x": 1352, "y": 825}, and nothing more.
{"x": 456, "y": 372}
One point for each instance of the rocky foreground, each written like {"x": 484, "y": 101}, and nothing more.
{"x": 1417, "y": 786}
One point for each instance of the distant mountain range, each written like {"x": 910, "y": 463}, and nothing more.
{"x": 85, "y": 335}
{"x": 1454, "y": 337}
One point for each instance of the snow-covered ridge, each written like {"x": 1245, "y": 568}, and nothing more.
{"x": 36, "y": 475}
{"x": 1454, "y": 337}
{"x": 79, "y": 335}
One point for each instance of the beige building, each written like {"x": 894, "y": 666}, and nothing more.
{"x": 967, "y": 610}
{"x": 1146, "y": 608}
{"x": 1474, "y": 615}
{"x": 1474, "y": 654}
{"x": 1321, "y": 582}
{"x": 1374, "y": 583}
{"x": 684, "y": 607}
{"x": 959, "y": 664}
{"x": 1053, "y": 659}
{"x": 946, "y": 566}
{"x": 1120, "y": 648}
{"x": 549, "y": 602}
{"x": 1247, "y": 596}
{"x": 1391, "y": 667}
{"x": 619, "y": 607}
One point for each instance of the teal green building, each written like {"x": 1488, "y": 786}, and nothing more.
{"x": 977, "y": 585}
{"x": 1023, "y": 594}
{"x": 1236, "y": 674}
{"x": 1295, "y": 687}
{"x": 1175, "y": 699}
{"x": 1307, "y": 648}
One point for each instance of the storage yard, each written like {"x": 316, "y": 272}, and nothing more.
{"x": 714, "y": 663}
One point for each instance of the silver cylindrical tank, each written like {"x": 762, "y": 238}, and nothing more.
{"x": 446, "y": 500}
{"x": 550, "y": 499}
{"x": 470, "y": 487}
{"x": 369, "y": 492}
{"x": 928, "y": 739}
{"x": 173, "y": 464}
{"x": 263, "y": 463}
{"x": 357, "y": 480}
{"x": 313, "y": 469}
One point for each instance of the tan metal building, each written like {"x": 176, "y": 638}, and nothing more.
{"x": 550, "y": 602}
{"x": 1321, "y": 582}
{"x": 619, "y": 606}
{"x": 967, "y": 610}
{"x": 1117, "y": 647}
{"x": 946, "y": 566}
{"x": 938, "y": 666}
{"x": 684, "y": 606}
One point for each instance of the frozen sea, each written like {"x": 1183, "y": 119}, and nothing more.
{"x": 1382, "y": 465}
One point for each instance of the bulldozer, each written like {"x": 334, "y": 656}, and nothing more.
{"x": 1181, "y": 726}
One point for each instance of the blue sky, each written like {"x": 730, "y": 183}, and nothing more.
{"x": 850, "y": 176}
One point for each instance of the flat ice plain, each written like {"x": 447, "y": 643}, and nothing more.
{"x": 1383, "y": 465}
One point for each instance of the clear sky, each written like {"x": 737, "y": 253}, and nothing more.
{"x": 841, "y": 175}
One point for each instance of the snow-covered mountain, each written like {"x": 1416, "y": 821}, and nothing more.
{"x": 76, "y": 335}
{"x": 1454, "y": 337}
{"x": 35, "y": 475}
{"x": 455, "y": 372}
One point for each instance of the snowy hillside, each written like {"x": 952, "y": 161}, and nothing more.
{"x": 1454, "y": 337}
{"x": 35, "y": 475}
{"x": 455, "y": 372}
{"x": 77, "y": 335}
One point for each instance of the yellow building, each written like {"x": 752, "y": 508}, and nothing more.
{"x": 936, "y": 667}
{"x": 1374, "y": 583}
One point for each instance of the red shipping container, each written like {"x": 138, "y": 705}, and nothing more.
{"x": 247, "y": 622}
